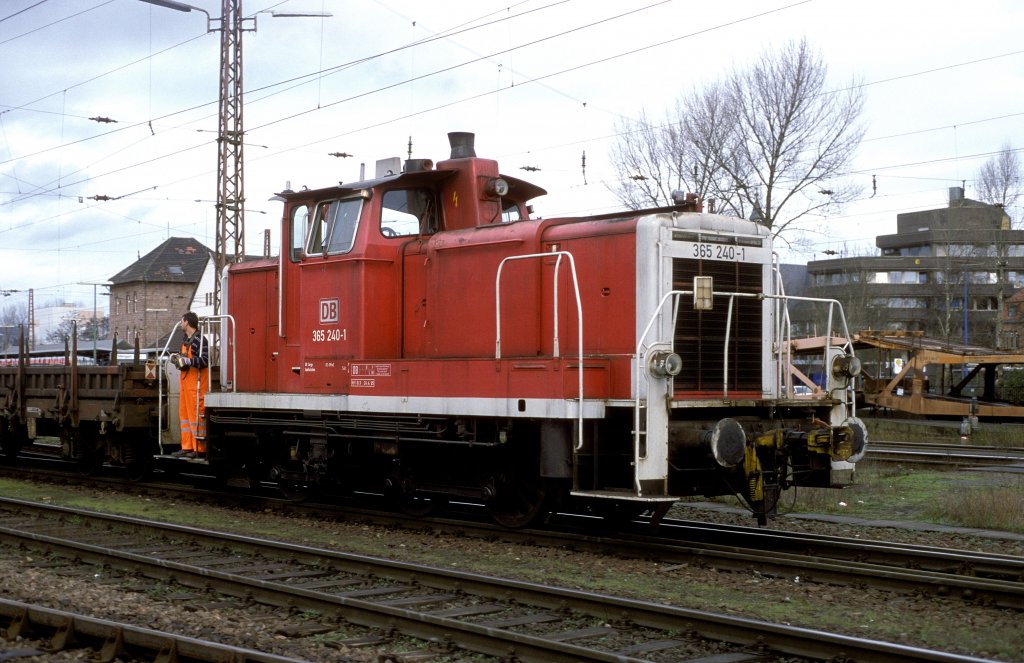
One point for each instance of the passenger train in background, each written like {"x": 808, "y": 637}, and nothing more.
{"x": 421, "y": 336}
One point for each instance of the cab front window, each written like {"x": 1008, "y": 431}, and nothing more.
{"x": 408, "y": 212}
{"x": 333, "y": 229}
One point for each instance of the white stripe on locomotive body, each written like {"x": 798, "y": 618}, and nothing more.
{"x": 526, "y": 408}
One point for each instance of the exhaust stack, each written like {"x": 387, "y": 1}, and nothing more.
{"x": 462, "y": 144}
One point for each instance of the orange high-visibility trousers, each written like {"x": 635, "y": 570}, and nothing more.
{"x": 192, "y": 410}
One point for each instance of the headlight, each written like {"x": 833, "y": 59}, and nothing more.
{"x": 845, "y": 366}
{"x": 664, "y": 364}
{"x": 498, "y": 187}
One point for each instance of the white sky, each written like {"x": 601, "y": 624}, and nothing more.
{"x": 539, "y": 82}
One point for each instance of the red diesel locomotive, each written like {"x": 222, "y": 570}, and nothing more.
{"x": 421, "y": 335}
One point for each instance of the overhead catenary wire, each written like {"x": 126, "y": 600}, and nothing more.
{"x": 185, "y": 175}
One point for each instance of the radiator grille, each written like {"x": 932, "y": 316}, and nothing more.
{"x": 700, "y": 335}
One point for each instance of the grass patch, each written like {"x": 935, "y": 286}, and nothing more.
{"x": 985, "y": 500}
{"x": 999, "y": 507}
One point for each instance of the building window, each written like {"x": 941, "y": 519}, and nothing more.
{"x": 898, "y": 302}
{"x": 898, "y": 277}
{"x": 916, "y": 251}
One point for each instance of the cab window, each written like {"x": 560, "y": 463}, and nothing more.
{"x": 297, "y": 230}
{"x": 510, "y": 211}
{"x": 333, "y": 229}
{"x": 408, "y": 212}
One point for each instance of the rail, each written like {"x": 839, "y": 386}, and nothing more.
{"x": 555, "y": 345}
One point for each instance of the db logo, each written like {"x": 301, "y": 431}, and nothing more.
{"x": 329, "y": 310}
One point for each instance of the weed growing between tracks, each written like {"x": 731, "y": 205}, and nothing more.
{"x": 984, "y": 500}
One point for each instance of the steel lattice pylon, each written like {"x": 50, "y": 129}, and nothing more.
{"x": 230, "y": 245}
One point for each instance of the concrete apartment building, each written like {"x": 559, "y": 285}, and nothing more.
{"x": 935, "y": 262}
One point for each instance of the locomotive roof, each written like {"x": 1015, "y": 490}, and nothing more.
{"x": 519, "y": 189}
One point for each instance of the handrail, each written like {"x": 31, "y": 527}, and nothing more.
{"x": 204, "y": 323}
{"x": 161, "y": 358}
{"x": 642, "y": 347}
{"x": 782, "y": 350}
{"x": 833, "y": 304}
{"x": 232, "y": 330}
{"x": 555, "y": 344}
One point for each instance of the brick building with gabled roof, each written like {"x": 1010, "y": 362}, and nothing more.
{"x": 150, "y": 296}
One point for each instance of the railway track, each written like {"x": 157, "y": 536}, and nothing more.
{"x": 458, "y": 610}
{"x": 974, "y": 577}
{"x": 43, "y": 632}
{"x": 984, "y": 578}
{"x": 946, "y": 455}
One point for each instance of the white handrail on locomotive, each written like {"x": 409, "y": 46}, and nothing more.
{"x": 783, "y": 332}
{"x": 642, "y": 348}
{"x": 204, "y": 323}
{"x": 555, "y": 348}
{"x": 847, "y": 346}
{"x": 228, "y": 338}
{"x": 784, "y": 354}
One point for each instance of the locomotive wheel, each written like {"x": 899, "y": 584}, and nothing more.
{"x": 519, "y": 500}
{"x": 417, "y": 507}
{"x": 295, "y": 491}
{"x": 80, "y": 446}
{"x": 88, "y": 464}
{"x": 292, "y": 488}
{"x": 411, "y": 504}
{"x": 137, "y": 471}
{"x": 402, "y": 491}
{"x": 11, "y": 440}
{"x": 137, "y": 462}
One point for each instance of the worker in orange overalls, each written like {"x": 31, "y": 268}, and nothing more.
{"x": 193, "y": 361}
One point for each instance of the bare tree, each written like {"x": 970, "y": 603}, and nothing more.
{"x": 85, "y": 330}
{"x": 12, "y": 319}
{"x": 770, "y": 139}
{"x": 644, "y": 164}
{"x": 1001, "y": 179}
{"x": 707, "y": 120}
{"x": 654, "y": 159}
